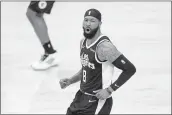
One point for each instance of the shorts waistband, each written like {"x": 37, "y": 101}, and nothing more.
{"x": 87, "y": 93}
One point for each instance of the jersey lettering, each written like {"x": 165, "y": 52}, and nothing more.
{"x": 85, "y": 61}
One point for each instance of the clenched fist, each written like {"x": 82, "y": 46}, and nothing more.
{"x": 64, "y": 83}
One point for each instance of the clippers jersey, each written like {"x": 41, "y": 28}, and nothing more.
{"x": 96, "y": 74}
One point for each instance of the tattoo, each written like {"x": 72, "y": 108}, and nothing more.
{"x": 107, "y": 51}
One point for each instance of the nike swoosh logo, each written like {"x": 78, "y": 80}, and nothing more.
{"x": 116, "y": 85}
{"x": 90, "y": 101}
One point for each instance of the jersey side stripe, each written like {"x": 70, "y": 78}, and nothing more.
{"x": 100, "y": 106}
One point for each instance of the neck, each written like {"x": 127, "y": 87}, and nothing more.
{"x": 90, "y": 41}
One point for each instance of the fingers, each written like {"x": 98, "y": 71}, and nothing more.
{"x": 64, "y": 80}
{"x": 99, "y": 94}
{"x": 102, "y": 94}
{"x": 63, "y": 83}
{"x": 64, "y": 86}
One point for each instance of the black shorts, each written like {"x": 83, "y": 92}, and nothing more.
{"x": 86, "y": 104}
{"x": 41, "y": 7}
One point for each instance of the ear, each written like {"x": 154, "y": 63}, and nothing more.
{"x": 100, "y": 23}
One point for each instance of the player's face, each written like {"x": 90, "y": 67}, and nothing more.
{"x": 90, "y": 26}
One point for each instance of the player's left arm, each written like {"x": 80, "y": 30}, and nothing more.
{"x": 107, "y": 51}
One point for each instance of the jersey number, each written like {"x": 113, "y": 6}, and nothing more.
{"x": 42, "y": 5}
{"x": 84, "y": 76}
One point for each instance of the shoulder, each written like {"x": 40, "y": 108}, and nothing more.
{"x": 105, "y": 44}
{"x": 81, "y": 42}
{"x": 103, "y": 40}
{"x": 106, "y": 50}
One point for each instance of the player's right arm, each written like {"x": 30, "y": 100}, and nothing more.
{"x": 68, "y": 81}
{"x": 78, "y": 75}
{"x": 75, "y": 78}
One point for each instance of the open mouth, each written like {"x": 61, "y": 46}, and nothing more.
{"x": 88, "y": 30}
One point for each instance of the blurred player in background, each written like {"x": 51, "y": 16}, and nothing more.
{"x": 35, "y": 13}
{"x": 98, "y": 58}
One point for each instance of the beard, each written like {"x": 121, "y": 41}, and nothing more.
{"x": 91, "y": 34}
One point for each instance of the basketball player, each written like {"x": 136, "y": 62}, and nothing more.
{"x": 35, "y": 14}
{"x": 98, "y": 57}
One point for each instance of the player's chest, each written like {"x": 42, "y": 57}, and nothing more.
{"x": 87, "y": 57}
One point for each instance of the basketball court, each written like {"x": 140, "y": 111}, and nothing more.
{"x": 140, "y": 30}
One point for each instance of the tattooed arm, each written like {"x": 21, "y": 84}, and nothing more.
{"x": 107, "y": 51}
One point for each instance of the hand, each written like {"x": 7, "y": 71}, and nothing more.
{"x": 64, "y": 83}
{"x": 102, "y": 94}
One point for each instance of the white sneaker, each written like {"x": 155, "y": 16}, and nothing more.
{"x": 47, "y": 61}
